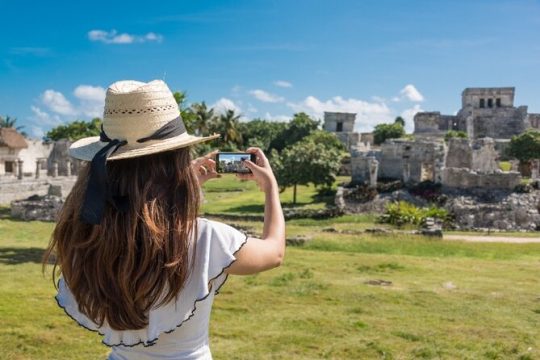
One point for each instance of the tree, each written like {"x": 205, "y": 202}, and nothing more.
{"x": 400, "y": 120}
{"x": 204, "y": 118}
{"x": 229, "y": 127}
{"x": 188, "y": 117}
{"x": 383, "y": 132}
{"x": 180, "y": 97}
{"x": 525, "y": 147}
{"x": 309, "y": 161}
{"x": 299, "y": 127}
{"x": 75, "y": 130}
{"x": 10, "y": 122}
{"x": 261, "y": 133}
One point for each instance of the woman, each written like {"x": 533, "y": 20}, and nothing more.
{"x": 137, "y": 264}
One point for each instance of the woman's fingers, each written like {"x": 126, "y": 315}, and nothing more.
{"x": 259, "y": 154}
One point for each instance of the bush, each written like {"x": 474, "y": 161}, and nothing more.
{"x": 401, "y": 213}
{"x": 455, "y": 134}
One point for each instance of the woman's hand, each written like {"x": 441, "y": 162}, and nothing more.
{"x": 205, "y": 167}
{"x": 261, "y": 171}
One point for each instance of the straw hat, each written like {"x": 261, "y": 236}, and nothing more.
{"x": 133, "y": 111}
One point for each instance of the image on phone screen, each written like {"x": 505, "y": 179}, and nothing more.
{"x": 230, "y": 163}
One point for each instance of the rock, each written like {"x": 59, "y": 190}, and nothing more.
{"x": 378, "y": 282}
{"x": 297, "y": 240}
{"x": 55, "y": 190}
{"x": 43, "y": 208}
{"x": 377, "y": 231}
{"x": 449, "y": 285}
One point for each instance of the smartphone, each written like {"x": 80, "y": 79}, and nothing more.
{"x": 233, "y": 162}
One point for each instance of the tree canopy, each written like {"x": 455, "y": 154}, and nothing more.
{"x": 382, "y": 132}
{"x": 526, "y": 146}
{"x": 75, "y": 130}
{"x": 300, "y": 126}
{"x": 314, "y": 159}
{"x": 11, "y": 122}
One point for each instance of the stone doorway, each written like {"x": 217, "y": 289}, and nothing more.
{"x": 9, "y": 167}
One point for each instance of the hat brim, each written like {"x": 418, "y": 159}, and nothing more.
{"x": 86, "y": 148}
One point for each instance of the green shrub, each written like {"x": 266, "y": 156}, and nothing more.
{"x": 401, "y": 213}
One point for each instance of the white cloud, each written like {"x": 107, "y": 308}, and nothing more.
{"x": 113, "y": 37}
{"x": 411, "y": 93}
{"x": 408, "y": 115}
{"x": 92, "y": 99}
{"x": 90, "y": 93}
{"x": 44, "y": 118}
{"x": 283, "y": 84}
{"x": 264, "y": 96}
{"x": 368, "y": 113}
{"x": 37, "y": 132}
{"x": 57, "y": 102}
{"x": 222, "y": 105}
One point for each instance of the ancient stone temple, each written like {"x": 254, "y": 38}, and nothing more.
{"x": 485, "y": 112}
{"x": 11, "y": 144}
{"x": 342, "y": 124}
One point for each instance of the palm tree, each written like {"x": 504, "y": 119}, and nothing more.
{"x": 229, "y": 123}
{"x": 10, "y": 122}
{"x": 204, "y": 118}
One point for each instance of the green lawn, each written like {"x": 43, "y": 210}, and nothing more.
{"x": 447, "y": 300}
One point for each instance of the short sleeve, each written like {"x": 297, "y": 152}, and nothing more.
{"x": 216, "y": 246}
{"x": 223, "y": 243}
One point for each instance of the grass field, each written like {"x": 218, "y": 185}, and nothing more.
{"x": 447, "y": 300}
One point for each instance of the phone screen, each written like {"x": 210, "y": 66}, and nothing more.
{"x": 232, "y": 163}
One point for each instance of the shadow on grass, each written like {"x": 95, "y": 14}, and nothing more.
{"x": 248, "y": 209}
{"x": 5, "y": 213}
{"x": 15, "y": 256}
{"x": 327, "y": 197}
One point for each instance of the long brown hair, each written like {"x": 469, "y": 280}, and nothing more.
{"x": 134, "y": 260}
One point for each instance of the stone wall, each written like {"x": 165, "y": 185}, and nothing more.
{"x": 412, "y": 161}
{"x": 459, "y": 153}
{"x": 470, "y": 97}
{"x": 534, "y": 121}
{"x": 465, "y": 178}
{"x": 60, "y": 155}
{"x": 427, "y": 123}
{"x": 499, "y": 123}
{"x": 332, "y": 118}
{"x": 36, "y": 149}
{"x": 349, "y": 139}
{"x": 15, "y": 189}
{"x": 367, "y": 138}
{"x": 502, "y": 211}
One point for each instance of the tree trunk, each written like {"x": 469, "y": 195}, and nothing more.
{"x": 294, "y": 195}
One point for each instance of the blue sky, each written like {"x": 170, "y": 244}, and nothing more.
{"x": 267, "y": 59}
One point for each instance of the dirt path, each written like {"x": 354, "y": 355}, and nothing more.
{"x": 506, "y": 239}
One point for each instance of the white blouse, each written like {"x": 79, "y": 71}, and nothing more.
{"x": 179, "y": 329}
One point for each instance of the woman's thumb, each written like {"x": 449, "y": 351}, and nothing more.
{"x": 250, "y": 165}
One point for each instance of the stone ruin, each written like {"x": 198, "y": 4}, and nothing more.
{"x": 36, "y": 207}
{"x": 474, "y": 189}
{"x": 485, "y": 112}
{"x": 53, "y": 166}
{"x": 342, "y": 124}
